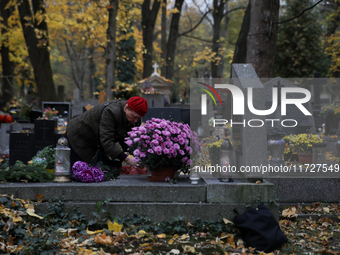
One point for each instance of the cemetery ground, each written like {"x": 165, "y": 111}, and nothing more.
{"x": 311, "y": 229}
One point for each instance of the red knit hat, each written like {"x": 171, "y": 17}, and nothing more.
{"x": 138, "y": 104}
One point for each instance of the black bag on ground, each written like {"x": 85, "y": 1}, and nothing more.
{"x": 259, "y": 229}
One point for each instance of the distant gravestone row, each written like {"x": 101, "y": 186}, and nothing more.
{"x": 24, "y": 146}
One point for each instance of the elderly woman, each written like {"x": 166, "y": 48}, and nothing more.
{"x": 104, "y": 127}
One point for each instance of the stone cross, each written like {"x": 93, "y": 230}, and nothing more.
{"x": 155, "y": 73}
{"x": 44, "y": 128}
{"x": 278, "y": 86}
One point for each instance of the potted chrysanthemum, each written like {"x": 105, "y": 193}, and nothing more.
{"x": 303, "y": 145}
{"x": 162, "y": 145}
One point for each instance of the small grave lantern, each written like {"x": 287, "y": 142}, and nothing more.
{"x": 194, "y": 177}
{"x": 62, "y": 161}
{"x": 227, "y": 158}
{"x": 276, "y": 146}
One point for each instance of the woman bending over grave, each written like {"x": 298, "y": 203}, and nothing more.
{"x": 98, "y": 134}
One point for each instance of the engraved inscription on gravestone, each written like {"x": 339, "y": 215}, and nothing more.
{"x": 21, "y": 147}
{"x": 45, "y": 133}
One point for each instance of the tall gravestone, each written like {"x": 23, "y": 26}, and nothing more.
{"x": 6, "y": 129}
{"x": 304, "y": 124}
{"x": 250, "y": 143}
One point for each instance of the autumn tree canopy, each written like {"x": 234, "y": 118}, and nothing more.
{"x": 106, "y": 45}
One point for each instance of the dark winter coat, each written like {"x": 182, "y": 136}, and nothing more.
{"x": 83, "y": 131}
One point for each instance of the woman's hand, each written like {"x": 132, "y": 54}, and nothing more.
{"x": 130, "y": 161}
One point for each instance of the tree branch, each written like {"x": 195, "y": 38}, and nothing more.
{"x": 197, "y": 38}
{"x": 235, "y": 9}
{"x": 284, "y": 21}
{"x": 193, "y": 28}
{"x": 198, "y": 7}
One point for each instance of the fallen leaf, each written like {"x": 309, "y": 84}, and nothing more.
{"x": 16, "y": 218}
{"x": 103, "y": 239}
{"x": 227, "y": 221}
{"x": 11, "y": 240}
{"x": 325, "y": 209}
{"x": 30, "y": 211}
{"x": 115, "y": 227}
{"x": 39, "y": 198}
{"x": 68, "y": 232}
{"x": 290, "y": 212}
{"x": 175, "y": 251}
{"x": 187, "y": 249}
{"x": 185, "y": 236}
{"x": 171, "y": 241}
{"x": 141, "y": 233}
{"x": 89, "y": 232}
{"x": 161, "y": 235}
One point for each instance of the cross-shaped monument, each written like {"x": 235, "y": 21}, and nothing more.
{"x": 155, "y": 73}
{"x": 279, "y": 86}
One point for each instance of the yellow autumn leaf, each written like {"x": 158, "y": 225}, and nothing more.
{"x": 185, "y": 236}
{"x": 86, "y": 251}
{"x": 188, "y": 248}
{"x": 171, "y": 241}
{"x": 141, "y": 233}
{"x": 30, "y": 211}
{"x": 161, "y": 235}
{"x": 89, "y": 232}
{"x": 115, "y": 227}
{"x": 174, "y": 10}
{"x": 16, "y": 218}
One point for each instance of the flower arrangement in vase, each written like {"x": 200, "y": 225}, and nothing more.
{"x": 162, "y": 143}
{"x": 331, "y": 111}
{"x": 49, "y": 113}
{"x": 214, "y": 152}
{"x": 303, "y": 143}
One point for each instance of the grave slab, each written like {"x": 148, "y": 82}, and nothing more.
{"x": 136, "y": 195}
{"x": 6, "y": 128}
{"x": 21, "y": 147}
{"x": 233, "y": 192}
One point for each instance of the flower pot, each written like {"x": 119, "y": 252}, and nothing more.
{"x": 162, "y": 173}
{"x": 305, "y": 158}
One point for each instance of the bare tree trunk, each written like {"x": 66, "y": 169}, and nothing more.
{"x": 92, "y": 72}
{"x": 261, "y": 41}
{"x": 218, "y": 12}
{"x": 111, "y": 48}
{"x": 148, "y": 25}
{"x": 163, "y": 41}
{"x": 173, "y": 35}
{"x": 78, "y": 64}
{"x": 38, "y": 49}
{"x": 240, "y": 53}
{"x": 7, "y": 64}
